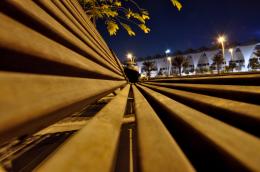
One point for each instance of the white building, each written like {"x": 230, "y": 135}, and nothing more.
{"x": 202, "y": 61}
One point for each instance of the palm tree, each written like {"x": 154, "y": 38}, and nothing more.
{"x": 180, "y": 62}
{"x": 253, "y": 63}
{"x": 257, "y": 53}
{"x": 218, "y": 61}
{"x": 232, "y": 65}
{"x": 148, "y": 66}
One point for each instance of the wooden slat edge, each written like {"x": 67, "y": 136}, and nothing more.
{"x": 27, "y": 99}
{"x": 242, "y": 148}
{"x": 94, "y": 147}
{"x": 41, "y": 47}
{"x": 157, "y": 149}
{"x": 241, "y": 109}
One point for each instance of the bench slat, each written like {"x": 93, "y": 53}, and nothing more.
{"x": 242, "y": 148}
{"x": 30, "y": 102}
{"x": 252, "y": 79}
{"x": 89, "y": 47}
{"x": 94, "y": 147}
{"x": 38, "y": 46}
{"x": 158, "y": 151}
{"x": 240, "y": 92}
{"x": 239, "y": 112}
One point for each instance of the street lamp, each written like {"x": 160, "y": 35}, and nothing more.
{"x": 130, "y": 57}
{"x": 167, "y": 51}
{"x": 170, "y": 65}
{"x": 231, "y": 50}
{"x": 222, "y": 40}
{"x": 169, "y": 59}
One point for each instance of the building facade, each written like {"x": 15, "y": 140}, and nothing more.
{"x": 202, "y": 61}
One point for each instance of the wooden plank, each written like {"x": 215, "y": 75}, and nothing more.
{"x": 40, "y": 47}
{"x": 72, "y": 125}
{"x": 244, "y": 114}
{"x": 75, "y": 12}
{"x": 30, "y": 102}
{"x": 46, "y": 21}
{"x": 97, "y": 38}
{"x": 94, "y": 147}
{"x": 86, "y": 22}
{"x": 2, "y": 169}
{"x": 244, "y": 79}
{"x": 225, "y": 88}
{"x": 84, "y": 42}
{"x": 242, "y": 149}
{"x": 119, "y": 64}
{"x": 129, "y": 119}
{"x": 158, "y": 151}
{"x": 240, "y": 92}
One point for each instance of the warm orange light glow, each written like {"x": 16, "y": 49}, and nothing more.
{"x": 129, "y": 56}
{"x": 221, "y": 39}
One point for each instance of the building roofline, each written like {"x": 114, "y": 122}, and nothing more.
{"x": 200, "y": 50}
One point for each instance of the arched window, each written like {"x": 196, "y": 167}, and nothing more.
{"x": 203, "y": 61}
{"x": 239, "y": 59}
{"x": 238, "y": 56}
{"x": 190, "y": 60}
{"x": 190, "y": 67}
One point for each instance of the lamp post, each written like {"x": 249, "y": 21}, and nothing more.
{"x": 222, "y": 40}
{"x": 169, "y": 60}
{"x": 167, "y": 51}
{"x": 231, "y": 50}
{"x": 170, "y": 65}
{"x": 130, "y": 57}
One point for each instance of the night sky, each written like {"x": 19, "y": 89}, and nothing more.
{"x": 196, "y": 25}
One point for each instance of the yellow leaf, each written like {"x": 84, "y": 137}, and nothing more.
{"x": 104, "y": 6}
{"x": 144, "y": 12}
{"x": 112, "y": 27}
{"x": 128, "y": 14}
{"x": 145, "y": 17}
{"x": 144, "y": 28}
{"x": 110, "y": 13}
{"x": 177, "y": 4}
{"x": 138, "y": 17}
{"x": 118, "y": 3}
{"x": 128, "y": 29}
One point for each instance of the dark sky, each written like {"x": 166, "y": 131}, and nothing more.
{"x": 196, "y": 25}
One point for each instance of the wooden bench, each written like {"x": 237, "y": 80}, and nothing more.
{"x": 54, "y": 63}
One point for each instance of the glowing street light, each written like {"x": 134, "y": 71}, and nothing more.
{"x": 170, "y": 65}
{"x": 167, "y": 51}
{"x": 222, "y": 40}
{"x": 231, "y": 50}
{"x": 130, "y": 57}
{"x": 169, "y": 59}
